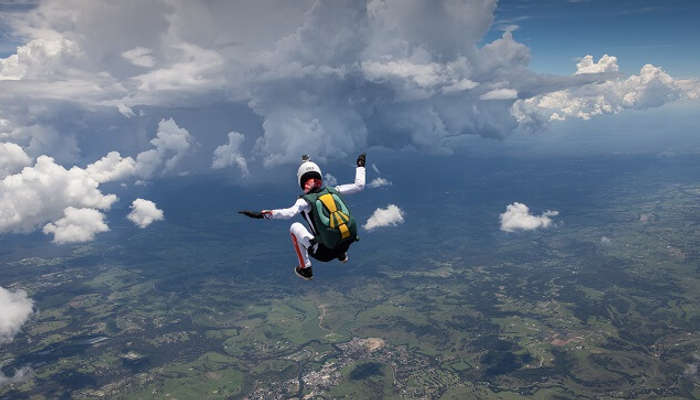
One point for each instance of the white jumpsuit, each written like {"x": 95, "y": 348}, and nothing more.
{"x": 301, "y": 237}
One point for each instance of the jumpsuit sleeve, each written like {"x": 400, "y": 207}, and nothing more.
{"x": 357, "y": 186}
{"x": 287, "y": 213}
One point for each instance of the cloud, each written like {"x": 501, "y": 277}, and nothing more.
{"x": 653, "y": 87}
{"x": 500, "y": 94}
{"x": 330, "y": 180}
{"x": 230, "y": 154}
{"x": 604, "y": 240}
{"x": 171, "y": 144}
{"x": 21, "y": 375}
{"x": 392, "y": 215}
{"x": 78, "y": 225}
{"x": 15, "y": 309}
{"x": 69, "y": 202}
{"x": 144, "y": 212}
{"x": 112, "y": 167}
{"x": 140, "y": 56}
{"x": 379, "y": 182}
{"x": 517, "y": 217}
{"x": 323, "y": 77}
{"x": 42, "y": 192}
{"x": 12, "y": 159}
{"x": 604, "y": 64}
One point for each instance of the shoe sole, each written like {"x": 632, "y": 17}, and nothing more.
{"x": 302, "y": 276}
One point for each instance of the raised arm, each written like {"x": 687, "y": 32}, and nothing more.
{"x": 359, "y": 184}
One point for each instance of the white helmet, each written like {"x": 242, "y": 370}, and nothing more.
{"x": 307, "y": 169}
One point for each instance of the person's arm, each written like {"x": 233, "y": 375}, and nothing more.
{"x": 287, "y": 213}
{"x": 359, "y": 184}
{"x": 280, "y": 213}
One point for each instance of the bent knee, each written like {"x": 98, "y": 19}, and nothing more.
{"x": 296, "y": 228}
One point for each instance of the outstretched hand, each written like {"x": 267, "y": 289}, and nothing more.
{"x": 252, "y": 214}
{"x": 361, "y": 159}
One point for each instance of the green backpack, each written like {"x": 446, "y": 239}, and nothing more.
{"x": 331, "y": 218}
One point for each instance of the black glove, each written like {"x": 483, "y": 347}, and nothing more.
{"x": 361, "y": 160}
{"x": 252, "y": 214}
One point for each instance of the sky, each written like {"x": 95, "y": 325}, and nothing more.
{"x": 95, "y": 94}
{"x": 636, "y": 31}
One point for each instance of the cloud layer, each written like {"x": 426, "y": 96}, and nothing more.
{"x": 392, "y": 215}
{"x": 324, "y": 77}
{"x": 15, "y": 309}
{"x": 144, "y": 212}
{"x": 517, "y": 217}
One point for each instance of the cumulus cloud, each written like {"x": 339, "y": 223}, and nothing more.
{"x": 324, "y": 77}
{"x": 230, "y": 154}
{"x": 144, "y": 212}
{"x": 12, "y": 159}
{"x": 69, "y": 202}
{"x": 171, "y": 144}
{"x": 78, "y": 225}
{"x": 653, "y": 87}
{"x": 42, "y": 192}
{"x": 605, "y": 64}
{"x": 379, "y": 182}
{"x": 15, "y": 309}
{"x": 392, "y": 215}
{"x": 517, "y": 217}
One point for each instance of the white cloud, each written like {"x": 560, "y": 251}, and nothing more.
{"x": 78, "y": 225}
{"x": 329, "y": 179}
{"x": 605, "y": 240}
{"x": 112, "y": 167}
{"x": 230, "y": 154}
{"x": 517, "y": 217}
{"x": 379, "y": 182}
{"x": 67, "y": 202}
{"x": 500, "y": 94}
{"x": 21, "y": 375}
{"x": 653, "y": 87}
{"x": 324, "y": 77}
{"x": 605, "y": 64}
{"x": 171, "y": 144}
{"x": 144, "y": 212}
{"x": 39, "y": 58}
{"x": 140, "y": 56}
{"x": 12, "y": 159}
{"x": 392, "y": 215}
{"x": 42, "y": 192}
{"x": 15, "y": 309}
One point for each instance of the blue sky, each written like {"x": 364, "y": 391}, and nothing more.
{"x": 663, "y": 33}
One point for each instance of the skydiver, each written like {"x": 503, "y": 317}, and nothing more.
{"x": 332, "y": 229}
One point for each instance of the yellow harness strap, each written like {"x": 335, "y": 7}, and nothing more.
{"x": 337, "y": 218}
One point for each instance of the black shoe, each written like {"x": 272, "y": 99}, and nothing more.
{"x": 343, "y": 258}
{"x": 304, "y": 273}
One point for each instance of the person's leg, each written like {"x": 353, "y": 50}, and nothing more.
{"x": 301, "y": 239}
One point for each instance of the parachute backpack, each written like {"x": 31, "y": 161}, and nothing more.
{"x": 331, "y": 218}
